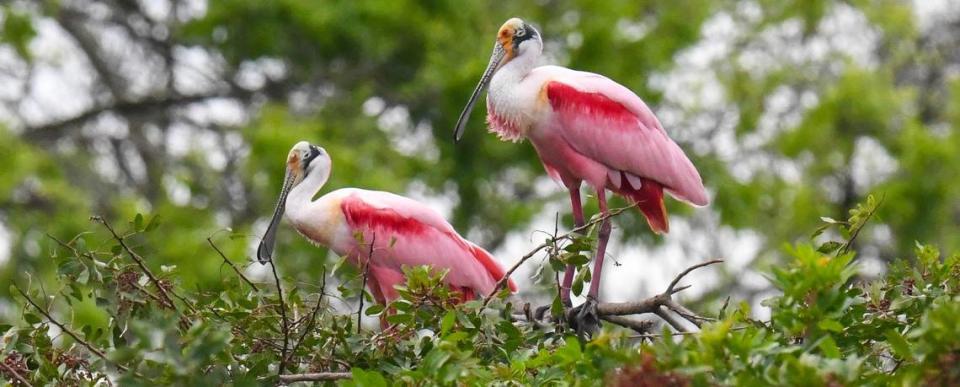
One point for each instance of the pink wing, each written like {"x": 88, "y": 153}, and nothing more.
{"x": 406, "y": 232}
{"x": 608, "y": 123}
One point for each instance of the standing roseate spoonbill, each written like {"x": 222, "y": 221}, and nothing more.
{"x": 402, "y": 230}
{"x": 584, "y": 127}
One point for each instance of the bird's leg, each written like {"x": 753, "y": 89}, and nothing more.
{"x": 584, "y": 318}
{"x": 578, "y": 222}
{"x": 602, "y": 237}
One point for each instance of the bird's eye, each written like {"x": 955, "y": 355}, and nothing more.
{"x": 521, "y": 32}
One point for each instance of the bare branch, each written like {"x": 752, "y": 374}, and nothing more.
{"x": 313, "y": 316}
{"x": 315, "y": 377}
{"x": 232, "y": 266}
{"x": 661, "y": 305}
{"x": 670, "y": 320}
{"x": 16, "y": 375}
{"x": 639, "y": 326}
{"x": 54, "y": 130}
{"x": 363, "y": 284}
{"x": 685, "y": 272}
{"x": 284, "y": 323}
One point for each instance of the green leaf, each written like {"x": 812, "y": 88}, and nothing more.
{"x": 819, "y": 230}
{"x": 556, "y": 308}
{"x": 370, "y": 378}
{"x": 138, "y": 222}
{"x": 576, "y": 259}
{"x": 830, "y": 325}
{"x": 898, "y": 344}
{"x": 829, "y": 347}
{"x": 374, "y": 309}
{"x": 31, "y": 318}
{"x": 153, "y": 223}
{"x": 577, "y": 286}
{"x": 829, "y": 247}
{"x": 447, "y": 323}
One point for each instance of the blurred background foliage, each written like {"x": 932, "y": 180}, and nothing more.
{"x": 185, "y": 110}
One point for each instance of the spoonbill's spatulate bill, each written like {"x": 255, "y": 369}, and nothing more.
{"x": 584, "y": 127}
{"x": 403, "y": 231}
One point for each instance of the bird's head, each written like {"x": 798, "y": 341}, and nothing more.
{"x": 515, "y": 39}
{"x": 303, "y": 160}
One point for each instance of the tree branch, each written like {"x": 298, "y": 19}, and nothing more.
{"x": 313, "y": 315}
{"x": 139, "y": 260}
{"x": 639, "y": 326}
{"x": 284, "y": 323}
{"x": 315, "y": 377}
{"x": 363, "y": 284}
{"x": 661, "y": 305}
{"x": 69, "y": 332}
{"x": 54, "y": 130}
{"x": 232, "y": 266}
{"x": 15, "y": 375}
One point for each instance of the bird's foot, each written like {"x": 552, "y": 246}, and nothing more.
{"x": 584, "y": 319}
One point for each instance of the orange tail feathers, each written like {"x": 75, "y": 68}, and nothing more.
{"x": 649, "y": 199}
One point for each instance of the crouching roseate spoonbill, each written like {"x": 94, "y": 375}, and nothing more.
{"x": 402, "y": 230}
{"x": 584, "y": 127}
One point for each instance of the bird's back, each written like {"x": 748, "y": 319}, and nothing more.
{"x": 405, "y": 232}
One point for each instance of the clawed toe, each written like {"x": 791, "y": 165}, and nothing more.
{"x": 584, "y": 319}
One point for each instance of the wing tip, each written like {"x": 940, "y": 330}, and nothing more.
{"x": 491, "y": 265}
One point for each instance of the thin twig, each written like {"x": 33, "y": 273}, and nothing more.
{"x": 139, "y": 260}
{"x": 856, "y": 232}
{"x": 64, "y": 328}
{"x": 363, "y": 284}
{"x": 685, "y": 272}
{"x": 315, "y": 377}
{"x": 232, "y": 266}
{"x": 313, "y": 316}
{"x": 283, "y": 316}
{"x": 16, "y": 375}
{"x": 657, "y": 335}
{"x": 71, "y": 248}
{"x": 576, "y": 231}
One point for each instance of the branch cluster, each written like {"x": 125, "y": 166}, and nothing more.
{"x": 614, "y": 312}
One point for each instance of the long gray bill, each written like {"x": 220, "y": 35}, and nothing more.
{"x": 495, "y": 58}
{"x": 265, "y": 250}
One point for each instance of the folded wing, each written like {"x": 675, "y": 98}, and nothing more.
{"x": 608, "y": 123}
{"x": 406, "y": 232}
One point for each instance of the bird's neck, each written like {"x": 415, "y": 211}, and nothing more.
{"x": 518, "y": 68}
{"x": 302, "y": 194}
{"x": 509, "y": 102}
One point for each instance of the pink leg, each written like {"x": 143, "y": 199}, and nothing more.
{"x": 602, "y": 237}
{"x": 578, "y": 222}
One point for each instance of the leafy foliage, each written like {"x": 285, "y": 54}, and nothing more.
{"x": 825, "y": 327}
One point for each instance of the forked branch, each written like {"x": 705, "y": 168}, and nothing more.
{"x": 660, "y": 305}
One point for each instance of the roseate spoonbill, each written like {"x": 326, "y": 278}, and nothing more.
{"x": 402, "y": 230}
{"x": 584, "y": 127}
